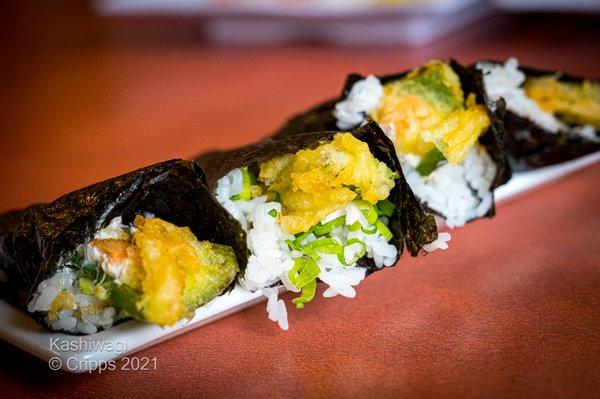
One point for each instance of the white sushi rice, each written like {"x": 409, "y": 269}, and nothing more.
{"x": 271, "y": 258}
{"x": 506, "y": 81}
{"x": 276, "y": 308}
{"x": 457, "y": 192}
{"x": 270, "y": 255}
{"x": 81, "y": 319}
{"x": 361, "y": 101}
{"x": 78, "y": 320}
{"x": 441, "y": 242}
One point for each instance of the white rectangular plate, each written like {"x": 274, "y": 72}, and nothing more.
{"x": 342, "y": 22}
{"x": 82, "y": 353}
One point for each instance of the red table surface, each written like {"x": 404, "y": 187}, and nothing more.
{"x": 512, "y": 309}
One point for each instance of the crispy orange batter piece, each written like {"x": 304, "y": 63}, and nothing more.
{"x": 427, "y": 109}
{"x": 179, "y": 273}
{"x": 314, "y": 183}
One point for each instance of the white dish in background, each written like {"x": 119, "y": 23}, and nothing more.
{"x": 585, "y": 6}
{"x": 21, "y": 330}
{"x": 415, "y": 23}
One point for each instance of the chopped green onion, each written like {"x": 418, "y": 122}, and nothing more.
{"x": 357, "y": 226}
{"x": 358, "y": 256}
{"x": 304, "y": 277}
{"x": 301, "y": 236}
{"x": 246, "y": 179}
{"x": 385, "y": 208}
{"x": 273, "y": 213}
{"x": 354, "y": 226}
{"x": 308, "y": 250}
{"x": 323, "y": 242}
{"x": 307, "y": 295}
{"x": 246, "y": 194}
{"x": 304, "y": 272}
{"x": 86, "y": 286}
{"x": 90, "y": 270}
{"x": 430, "y": 162}
{"x": 332, "y": 247}
{"x": 371, "y": 230}
{"x": 294, "y": 245}
{"x": 367, "y": 210}
{"x": 327, "y": 246}
{"x": 383, "y": 230}
{"x": 322, "y": 229}
{"x": 305, "y": 249}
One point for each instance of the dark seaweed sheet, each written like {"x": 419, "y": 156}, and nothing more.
{"x": 410, "y": 224}
{"x": 529, "y": 146}
{"x": 320, "y": 118}
{"x": 32, "y": 240}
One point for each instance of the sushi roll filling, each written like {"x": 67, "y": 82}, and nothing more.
{"x": 151, "y": 270}
{"x": 435, "y": 129}
{"x": 574, "y": 103}
{"x": 313, "y": 215}
{"x": 549, "y": 103}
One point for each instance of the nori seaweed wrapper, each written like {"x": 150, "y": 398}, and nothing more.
{"x": 410, "y": 224}
{"x": 320, "y": 118}
{"x": 32, "y": 240}
{"x": 529, "y": 146}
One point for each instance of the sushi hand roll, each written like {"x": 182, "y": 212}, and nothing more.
{"x": 330, "y": 206}
{"x": 551, "y": 117}
{"x": 152, "y": 245}
{"x": 448, "y": 140}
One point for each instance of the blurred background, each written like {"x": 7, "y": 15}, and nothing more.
{"x": 92, "y": 89}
